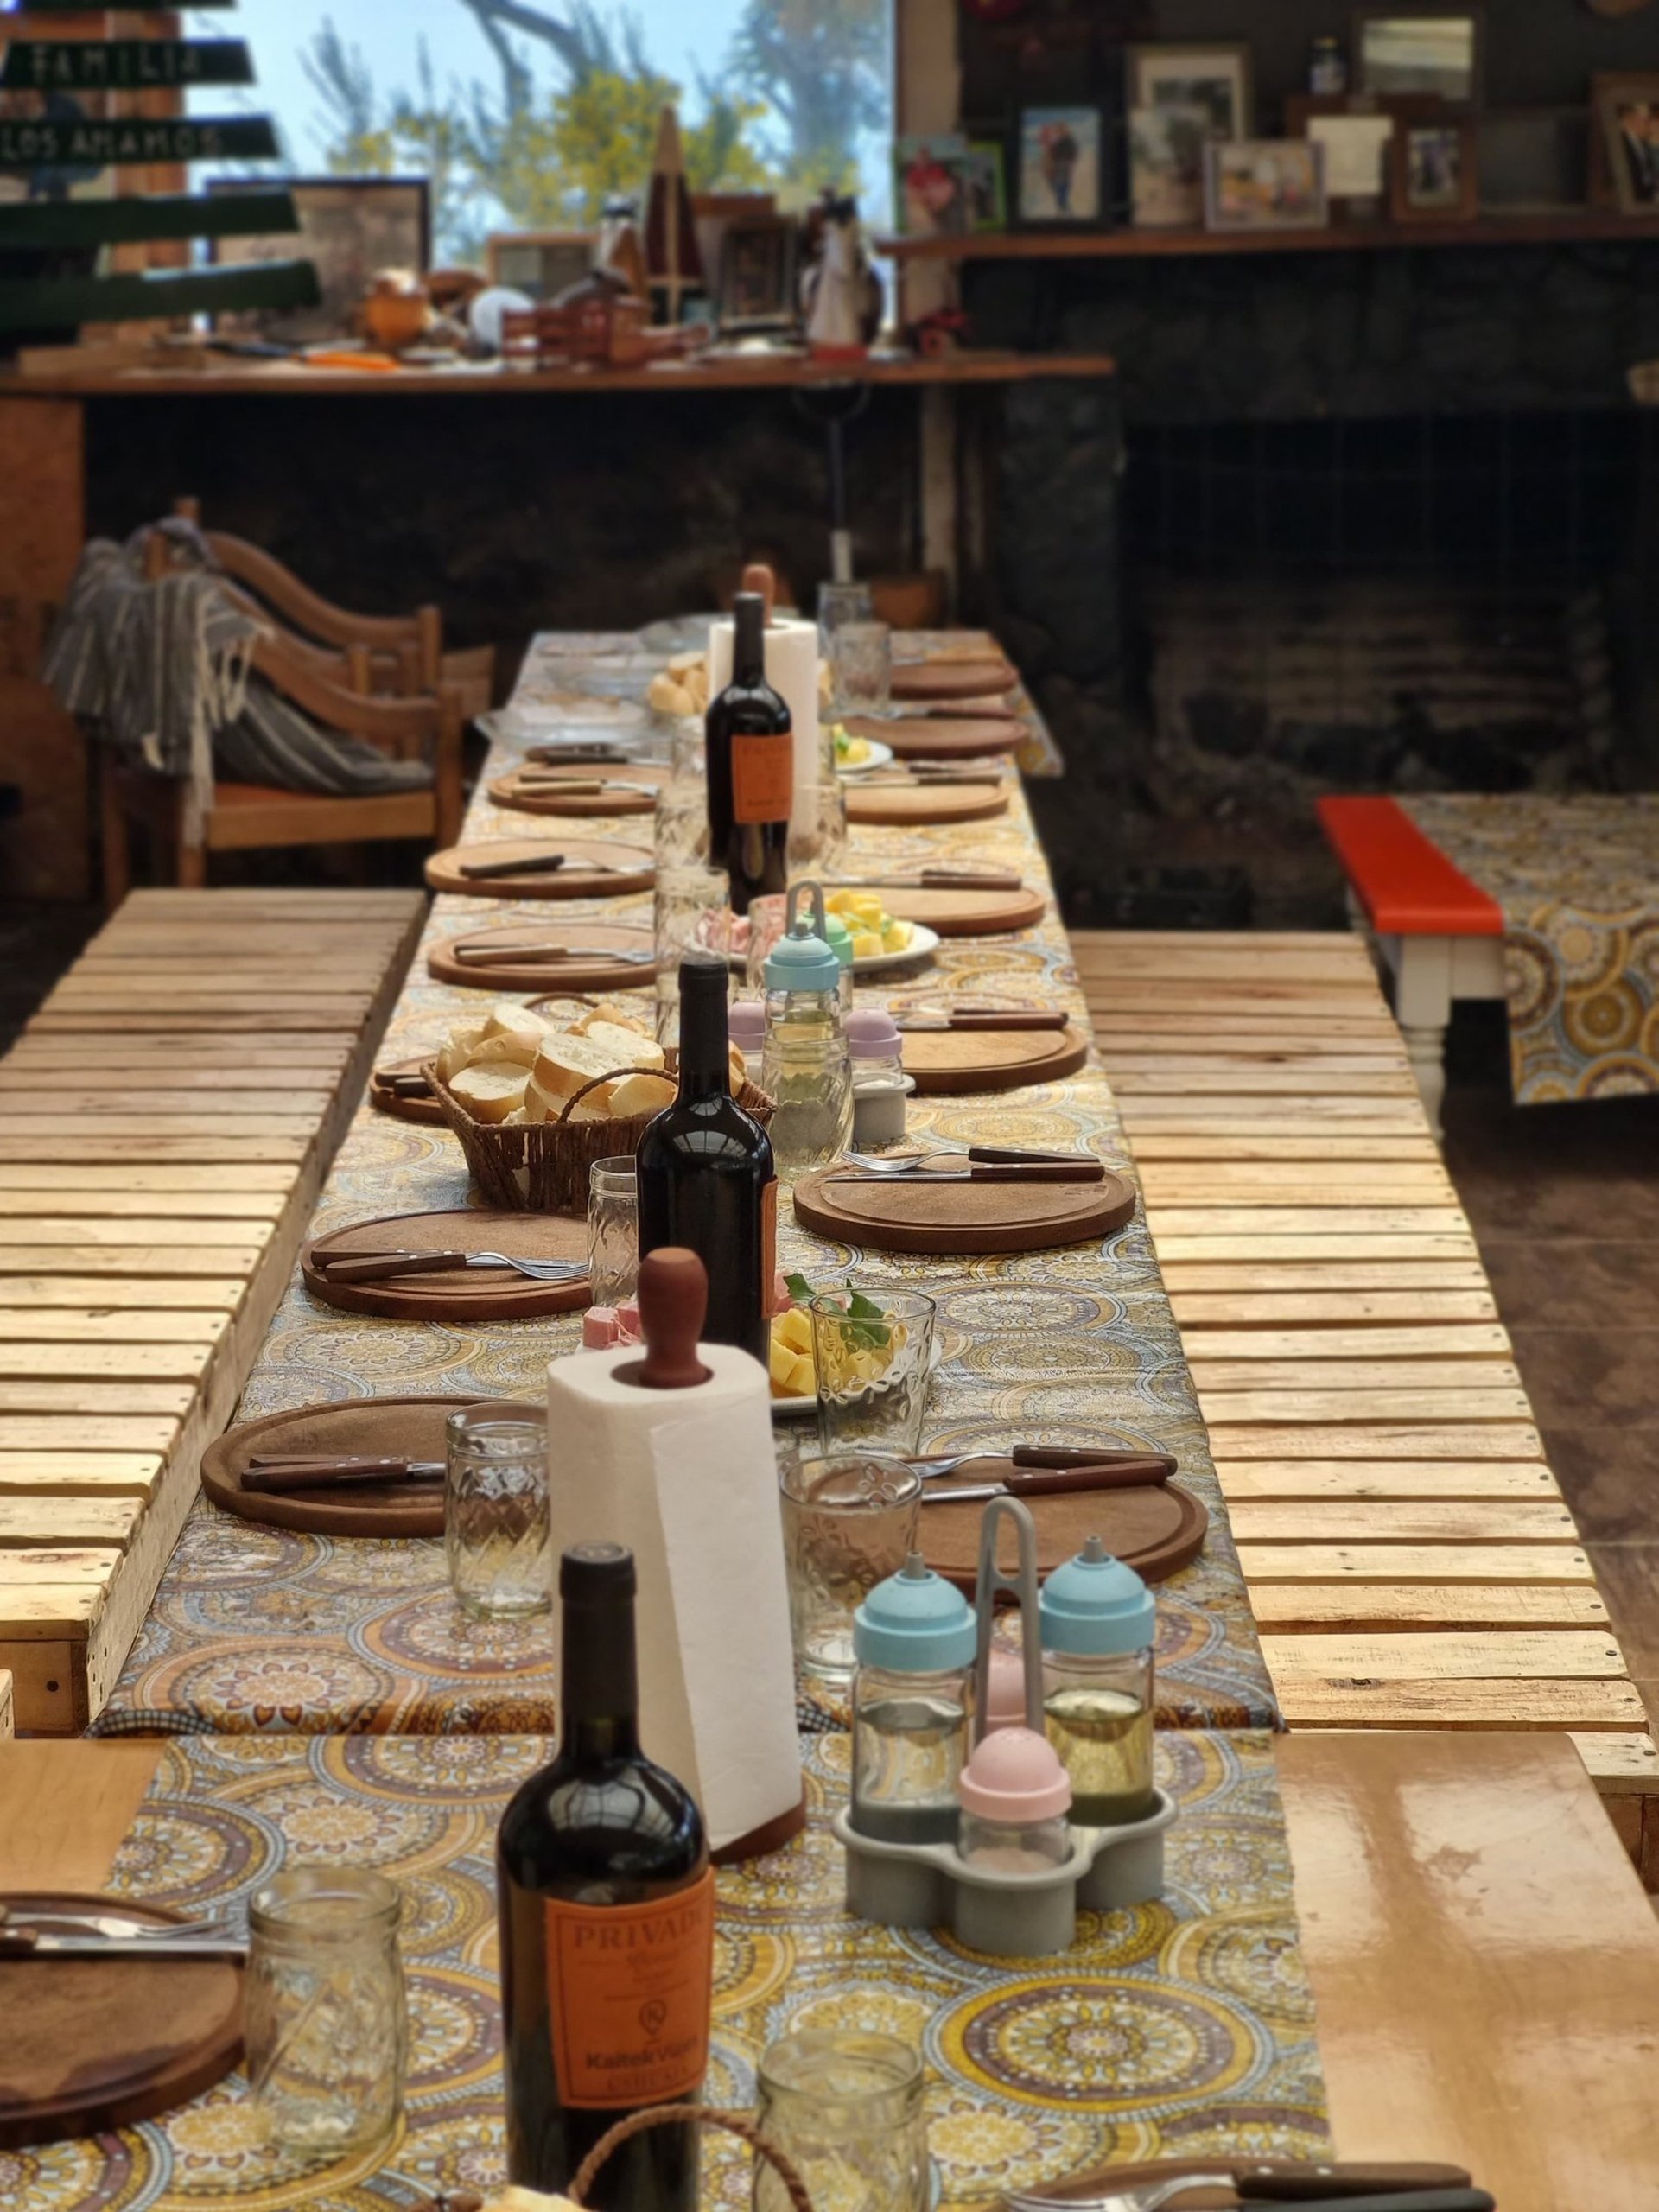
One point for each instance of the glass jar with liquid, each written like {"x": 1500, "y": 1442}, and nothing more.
{"x": 1098, "y": 1627}
{"x": 913, "y": 1642}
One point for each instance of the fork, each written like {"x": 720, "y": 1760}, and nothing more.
{"x": 985, "y": 1155}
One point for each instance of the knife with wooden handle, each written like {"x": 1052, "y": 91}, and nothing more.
{"x": 1060, "y": 1483}
{"x": 382, "y": 1267}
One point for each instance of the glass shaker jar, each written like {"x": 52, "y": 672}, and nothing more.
{"x": 1098, "y": 1627}
{"x": 745, "y": 1029}
{"x": 913, "y": 1645}
{"x": 804, "y": 1066}
{"x": 879, "y": 1083}
{"x": 1015, "y": 1801}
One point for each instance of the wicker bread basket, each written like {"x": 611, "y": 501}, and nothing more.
{"x": 729, "y": 2123}
{"x": 542, "y": 1166}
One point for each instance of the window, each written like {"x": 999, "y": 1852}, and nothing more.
{"x": 525, "y": 113}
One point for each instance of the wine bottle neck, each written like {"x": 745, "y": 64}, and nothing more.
{"x": 749, "y": 640}
{"x": 705, "y": 1063}
{"x": 599, "y": 1689}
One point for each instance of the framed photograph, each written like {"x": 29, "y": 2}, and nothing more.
{"x": 1538, "y": 160}
{"x": 351, "y": 227}
{"x": 1625, "y": 86}
{"x": 1356, "y": 144}
{"x": 987, "y": 197}
{"x": 1264, "y": 184}
{"x": 929, "y": 186}
{"x": 1214, "y": 78}
{"x": 1060, "y": 165}
{"x": 757, "y": 274}
{"x": 1629, "y": 124}
{"x": 540, "y": 263}
{"x": 1435, "y": 172}
{"x": 1166, "y": 166}
{"x": 1418, "y": 53}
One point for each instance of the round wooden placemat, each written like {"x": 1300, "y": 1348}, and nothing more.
{"x": 969, "y": 913}
{"x": 951, "y": 1060}
{"x": 943, "y": 1216}
{"x": 614, "y": 869}
{"x": 1153, "y": 1530}
{"x": 953, "y": 679}
{"x": 873, "y": 804}
{"x": 495, "y": 1294}
{"x": 588, "y": 971}
{"x": 533, "y": 790}
{"x": 411, "y": 1428}
{"x": 944, "y": 737}
{"x": 385, "y": 1100}
{"x": 88, "y": 2045}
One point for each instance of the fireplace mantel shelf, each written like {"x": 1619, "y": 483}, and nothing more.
{"x": 1559, "y": 227}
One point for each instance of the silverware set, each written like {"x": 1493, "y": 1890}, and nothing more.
{"x": 977, "y": 1164}
{"x": 71, "y": 1932}
{"x": 385, "y": 1267}
{"x": 1337, "y": 2187}
{"x": 514, "y": 956}
{"x": 273, "y": 1474}
{"x": 534, "y": 864}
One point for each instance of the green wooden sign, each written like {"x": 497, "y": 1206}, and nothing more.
{"x": 63, "y": 222}
{"x": 60, "y": 302}
{"x": 29, "y": 144}
{"x": 123, "y": 65}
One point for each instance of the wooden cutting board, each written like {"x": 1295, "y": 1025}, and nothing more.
{"x": 589, "y": 972}
{"x": 1155, "y": 1531}
{"x": 969, "y": 913}
{"x": 953, "y": 1216}
{"x": 89, "y": 2045}
{"x": 492, "y": 1295}
{"x": 873, "y": 804}
{"x": 953, "y": 679}
{"x": 954, "y": 1060}
{"x": 944, "y": 737}
{"x": 533, "y": 790}
{"x": 613, "y": 868}
{"x": 385, "y": 1100}
{"x": 386, "y": 1427}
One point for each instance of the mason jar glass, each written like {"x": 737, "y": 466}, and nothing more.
{"x": 498, "y": 1523}
{"x": 845, "y": 2107}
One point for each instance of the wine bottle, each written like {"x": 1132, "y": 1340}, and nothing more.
{"x": 750, "y": 752}
{"x": 607, "y": 1925}
{"x": 706, "y": 1176}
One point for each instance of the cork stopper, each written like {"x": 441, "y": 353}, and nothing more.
{"x": 757, "y": 577}
{"x": 673, "y": 1297}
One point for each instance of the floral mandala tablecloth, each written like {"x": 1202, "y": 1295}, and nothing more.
{"x": 1179, "y": 2028}
{"x": 1578, "y": 880}
{"x": 255, "y": 1628}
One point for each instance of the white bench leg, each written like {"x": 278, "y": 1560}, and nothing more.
{"x": 1422, "y": 1007}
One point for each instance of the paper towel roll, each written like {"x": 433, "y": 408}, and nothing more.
{"x": 792, "y": 672}
{"x": 686, "y": 1480}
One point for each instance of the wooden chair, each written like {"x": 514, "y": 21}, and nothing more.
{"x": 404, "y": 653}
{"x": 254, "y": 816}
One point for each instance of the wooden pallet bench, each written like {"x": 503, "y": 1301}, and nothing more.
{"x": 1411, "y": 1560}
{"x": 166, "y": 1121}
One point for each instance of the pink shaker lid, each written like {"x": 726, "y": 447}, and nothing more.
{"x": 1005, "y": 1694}
{"x": 1014, "y": 1777}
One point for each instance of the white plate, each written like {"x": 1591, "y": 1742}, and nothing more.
{"x": 880, "y": 756}
{"x": 793, "y": 1408}
{"x": 923, "y": 942}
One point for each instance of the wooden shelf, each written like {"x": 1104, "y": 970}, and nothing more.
{"x": 1572, "y": 226}
{"x": 256, "y": 379}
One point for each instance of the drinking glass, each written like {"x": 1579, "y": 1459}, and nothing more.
{"x": 326, "y": 2035}
{"x": 681, "y": 823}
{"x": 498, "y": 1530}
{"x": 839, "y": 603}
{"x": 817, "y": 830}
{"x": 614, "y": 1229}
{"x": 691, "y": 914}
{"x": 845, "y": 2107}
{"x": 766, "y": 917}
{"x": 860, "y": 668}
{"x": 849, "y": 1523}
{"x": 875, "y": 1353}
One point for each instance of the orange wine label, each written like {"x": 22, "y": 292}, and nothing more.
{"x": 763, "y": 778}
{"x": 632, "y": 1991}
{"x": 768, "y": 1245}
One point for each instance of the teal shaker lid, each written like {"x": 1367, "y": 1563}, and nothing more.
{"x": 1094, "y": 1605}
{"x": 802, "y": 959}
{"x": 839, "y": 938}
{"x": 915, "y": 1623}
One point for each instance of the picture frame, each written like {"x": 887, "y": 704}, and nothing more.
{"x": 988, "y": 189}
{"x": 1264, "y": 185}
{"x": 540, "y": 263}
{"x": 1434, "y": 169}
{"x": 1626, "y": 123}
{"x": 756, "y": 289}
{"x": 1166, "y": 166}
{"x": 1419, "y": 52}
{"x": 931, "y": 186}
{"x": 350, "y": 228}
{"x": 1640, "y": 83}
{"x": 1358, "y": 145}
{"x": 1218, "y": 78}
{"x": 1539, "y": 161}
{"x": 1061, "y": 182}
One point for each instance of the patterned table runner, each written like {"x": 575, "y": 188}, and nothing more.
{"x": 1578, "y": 880}
{"x": 1181, "y": 2028}
{"x": 254, "y": 1627}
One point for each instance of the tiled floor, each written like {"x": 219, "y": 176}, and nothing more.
{"x": 1565, "y": 1202}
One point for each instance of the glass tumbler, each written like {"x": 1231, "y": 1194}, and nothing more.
{"x": 692, "y": 912}
{"x": 845, "y": 2108}
{"x": 839, "y": 603}
{"x": 326, "y": 2034}
{"x": 817, "y": 830}
{"x": 860, "y": 668}
{"x": 614, "y": 1229}
{"x": 875, "y": 1353}
{"x": 498, "y": 1529}
{"x": 849, "y": 1523}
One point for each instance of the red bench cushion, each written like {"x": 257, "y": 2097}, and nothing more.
{"x": 1404, "y": 881}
